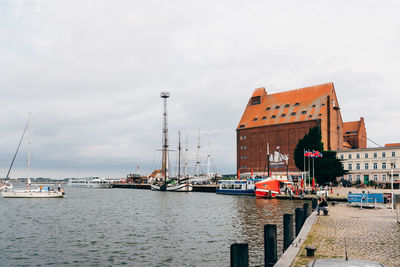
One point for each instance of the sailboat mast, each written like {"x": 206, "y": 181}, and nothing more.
{"x": 28, "y": 178}
{"x": 179, "y": 155}
{"x": 185, "y": 169}
{"x": 198, "y": 156}
{"x": 208, "y": 158}
{"x": 165, "y": 95}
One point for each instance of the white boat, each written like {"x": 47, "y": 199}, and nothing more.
{"x": 28, "y": 192}
{"x": 6, "y": 185}
{"x": 182, "y": 185}
{"x": 91, "y": 182}
{"x": 177, "y": 188}
{"x": 237, "y": 187}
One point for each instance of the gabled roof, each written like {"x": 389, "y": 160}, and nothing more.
{"x": 302, "y": 104}
{"x": 351, "y": 127}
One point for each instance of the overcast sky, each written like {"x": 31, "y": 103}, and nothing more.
{"x": 91, "y": 73}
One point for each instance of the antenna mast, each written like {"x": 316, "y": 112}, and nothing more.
{"x": 164, "y": 170}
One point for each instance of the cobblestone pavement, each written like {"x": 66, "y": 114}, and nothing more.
{"x": 370, "y": 234}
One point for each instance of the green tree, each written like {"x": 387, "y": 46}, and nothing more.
{"x": 326, "y": 168}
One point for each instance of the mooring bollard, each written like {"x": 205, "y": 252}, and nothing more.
{"x": 287, "y": 230}
{"x": 314, "y": 203}
{"x": 270, "y": 246}
{"x": 305, "y": 211}
{"x": 299, "y": 220}
{"x": 240, "y": 255}
{"x": 310, "y": 251}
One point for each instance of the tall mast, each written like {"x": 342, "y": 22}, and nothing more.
{"x": 208, "y": 158}
{"x": 165, "y": 95}
{"x": 185, "y": 169}
{"x": 179, "y": 155}
{"x": 28, "y": 178}
{"x": 198, "y": 156}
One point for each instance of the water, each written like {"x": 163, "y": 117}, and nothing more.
{"x": 135, "y": 227}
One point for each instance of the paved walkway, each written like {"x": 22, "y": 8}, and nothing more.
{"x": 370, "y": 234}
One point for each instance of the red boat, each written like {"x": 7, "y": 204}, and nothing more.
{"x": 271, "y": 187}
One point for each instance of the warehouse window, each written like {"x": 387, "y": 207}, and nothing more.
{"x": 287, "y": 105}
{"x": 283, "y": 115}
{"x": 273, "y": 116}
{"x": 242, "y": 126}
{"x": 255, "y": 119}
{"x": 268, "y": 108}
{"x": 293, "y": 113}
{"x": 264, "y": 118}
{"x": 304, "y": 112}
{"x": 277, "y": 107}
{"x": 297, "y": 104}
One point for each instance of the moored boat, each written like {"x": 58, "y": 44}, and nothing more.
{"x": 236, "y": 187}
{"x": 271, "y": 187}
{"x": 91, "y": 182}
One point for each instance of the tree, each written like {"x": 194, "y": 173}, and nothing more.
{"x": 326, "y": 168}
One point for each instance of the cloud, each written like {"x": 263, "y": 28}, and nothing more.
{"x": 91, "y": 73}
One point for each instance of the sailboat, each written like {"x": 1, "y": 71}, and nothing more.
{"x": 28, "y": 192}
{"x": 166, "y": 184}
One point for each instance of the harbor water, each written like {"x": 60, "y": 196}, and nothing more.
{"x": 104, "y": 227}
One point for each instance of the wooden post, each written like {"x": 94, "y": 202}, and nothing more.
{"x": 314, "y": 203}
{"x": 305, "y": 211}
{"x": 287, "y": 230}
{"x": 240, "y": 255}
{"x": 299, "y": 220}
{"x": 270, "y": 246}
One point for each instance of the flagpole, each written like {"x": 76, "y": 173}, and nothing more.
{"x": 313, "y": 165}
{"x": 304, "y": 160}
{"x": 268, "y": 158}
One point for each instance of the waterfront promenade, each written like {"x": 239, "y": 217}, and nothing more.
{"x": 370, "y": 234}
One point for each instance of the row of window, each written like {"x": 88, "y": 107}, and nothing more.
{"x": 243, "y": 137}
{"x": 243, "y": 147}
{"x": 366, "y": 155}
{"x": 243, "y": 157}
{"x": 287, "y": 105}
{"x": 366, "y": 166}
{"x": 358, "y": 177}
{"x": 243, "y": 167}
{"x": 283, "y": 115}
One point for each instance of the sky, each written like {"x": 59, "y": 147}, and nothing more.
{"x": 91, "y": 73}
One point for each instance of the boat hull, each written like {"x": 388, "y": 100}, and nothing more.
{"x": 174, "y": 188}
{"x": 235, "y": 192}
{"x": 32, "y": 194}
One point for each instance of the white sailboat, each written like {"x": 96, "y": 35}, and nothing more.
{"x": 165, "y": 184}
{"x": 41, "y": 192}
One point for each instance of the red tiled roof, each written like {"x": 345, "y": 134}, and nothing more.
{"x": 392, "y": 145}
{"x": 298, "y": 100}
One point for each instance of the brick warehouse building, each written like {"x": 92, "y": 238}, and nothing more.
{"x": 283, "y": 118}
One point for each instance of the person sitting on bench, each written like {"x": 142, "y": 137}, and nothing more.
{"x": 322, "y": 205}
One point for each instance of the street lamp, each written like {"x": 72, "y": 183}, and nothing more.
{"x": 391, "y": 166}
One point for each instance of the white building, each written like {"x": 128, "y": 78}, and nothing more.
{"x": 374, "y": 164}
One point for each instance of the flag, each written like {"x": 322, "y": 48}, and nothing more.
{"x": 307, "y": 153}
{"x": 313, "y": 183}
{"x": 251, "y": 173}
{"x": 317, "y": 154}
{"x": 302, "y": 183}
{"x": 238, "y": 174}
